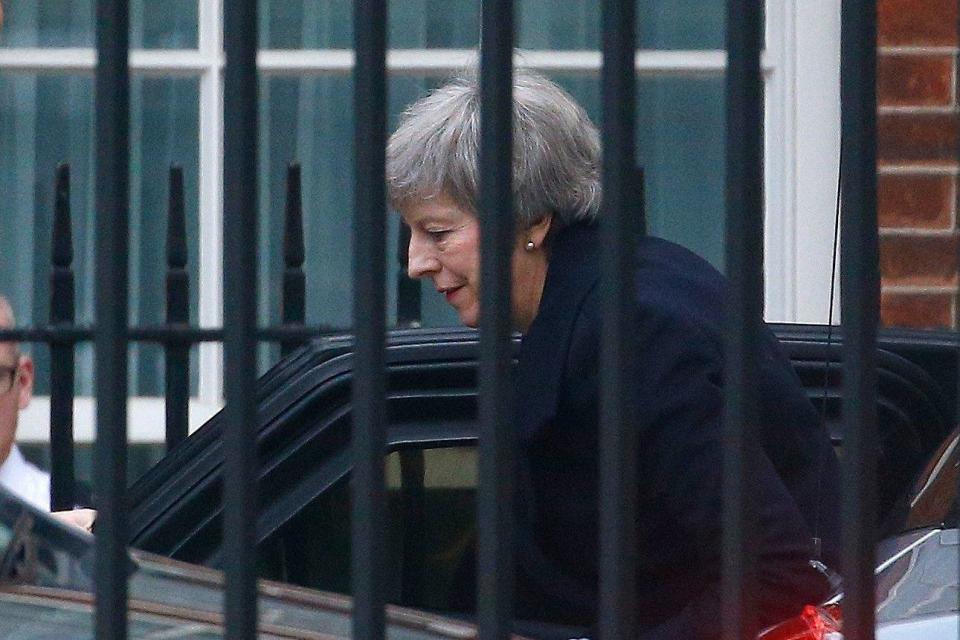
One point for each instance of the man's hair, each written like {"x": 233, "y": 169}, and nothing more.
{"x": 7, "y": 319}
{"x": 556, "y": 151}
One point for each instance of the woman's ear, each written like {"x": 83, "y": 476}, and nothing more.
{"x": 539, "y": 230}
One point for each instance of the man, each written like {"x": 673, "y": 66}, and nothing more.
{"x": 16, "y": 388}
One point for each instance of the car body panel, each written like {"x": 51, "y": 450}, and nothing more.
{"x": 922, "y": 582}
{"x": 940, "y": 627}
{"x": 46, "y": 591}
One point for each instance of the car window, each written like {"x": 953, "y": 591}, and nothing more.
{"x": 431, "y": 532}
{"x": 933, "y": 500}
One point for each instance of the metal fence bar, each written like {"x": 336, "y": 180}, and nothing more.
{"x": 240, "y": 310}
{"x": 497, "y": 452}
{"x": 860, "y": 285}
{"x": 744, "y": 260}
{"x": 294, "y": 294}
{"x": 618, "y": 410}
{"x": 112, "y": 122}
{"x": 177, "y": 355}
{"x": 62, "y": 314}
{"x": 369, "y": 311}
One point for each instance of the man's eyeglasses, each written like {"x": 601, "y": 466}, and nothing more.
{"x": 7, "y": 376}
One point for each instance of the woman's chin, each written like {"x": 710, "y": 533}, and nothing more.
{"x": 469, "y": 319}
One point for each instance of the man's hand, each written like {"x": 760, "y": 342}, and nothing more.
{"x": 82, "y": 518}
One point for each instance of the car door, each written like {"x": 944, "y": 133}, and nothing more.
{"x": 304, "y": 456}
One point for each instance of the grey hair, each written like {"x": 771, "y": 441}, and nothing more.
{"x": 556, "y": 151}
{"x": 7, "y": 319}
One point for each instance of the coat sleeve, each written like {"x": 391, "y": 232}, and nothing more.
{"x": 680, "y": 428}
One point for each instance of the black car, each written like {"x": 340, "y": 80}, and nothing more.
{"x": 303, "y": 527}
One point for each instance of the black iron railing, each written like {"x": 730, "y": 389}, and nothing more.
{"x": 62, "y": 316}
{"x": 860, "y": 304}
{"x": 369, "y": 562}
{"x": 496, "y": 463}
{"x": 744, "y": 252}
{"x": 618, "y": 406}
{"x": 177, "y": 354}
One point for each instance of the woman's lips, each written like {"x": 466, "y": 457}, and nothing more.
{"x": 449, "y": 294}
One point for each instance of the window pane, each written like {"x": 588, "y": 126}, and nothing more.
{"x": 680, "y": 126}
{"x": 171, "y": 24}
{"x": 47, "y": 23}
{"x": 165, "y": 132}
{"x": 542, "y": 24}
{"x": 680, "y": 142}
{"x": 661, "y": 24}
{"x": 328, "y": 24}
{"x": 46, "y": 120}
{"x": 311, "y": 24}
{"x": 431, "y": 533}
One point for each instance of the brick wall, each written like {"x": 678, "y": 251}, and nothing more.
{"x": 918, "y": 160}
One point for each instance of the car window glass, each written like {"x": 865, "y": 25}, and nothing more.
{"x": 933, "y": 501}
{"x": 430, "y": 532}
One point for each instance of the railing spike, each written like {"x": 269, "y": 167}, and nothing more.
{"x": 177, "y": 356}
{"x": 62, "y": 232}
{"x": 62, "y": 315}
{"x": 177, "y": 226}
{"x": 293, "y": 301}
{"x": 293, "y": 250}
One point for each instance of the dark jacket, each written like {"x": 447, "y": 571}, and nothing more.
{"x": 679, "y": 378}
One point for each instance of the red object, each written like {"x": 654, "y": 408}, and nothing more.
{"x": 813, "y": 623}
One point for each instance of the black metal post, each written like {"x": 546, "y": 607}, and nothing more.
{"x": 408, "y": 289}
{"x": 744, "y": 258}
{"x": 860, "y": 302}
{"x": 112, "y": 117}
{"x": 369, "y": 319}
{"x": 293, "y": 302}
{"x": 497, "y": 461}
{"x": 620, "y": 226}
{"x": 240, "y": 307}
{"x": 177, "y": 355}
{"x": 62, "y": 314}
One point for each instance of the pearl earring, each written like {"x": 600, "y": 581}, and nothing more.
{"x": 530, "y": 245}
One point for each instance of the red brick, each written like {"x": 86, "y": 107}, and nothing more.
{"x": 918, "y": 260}
{"x": 917, "y": 81}
{"x": 930, "y": 23}
{"x": 921, "y": 311}
{"x": 917, "y": 138}
{"x": 915, "y": 202}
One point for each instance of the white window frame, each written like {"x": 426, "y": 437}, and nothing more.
{"x": 802, "y": 157}
{"x": 801, "y": 72}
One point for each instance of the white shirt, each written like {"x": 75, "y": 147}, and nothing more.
{"x": 25, "y": 480}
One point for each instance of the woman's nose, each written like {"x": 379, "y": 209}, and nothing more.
{"x": 420, "y": 260}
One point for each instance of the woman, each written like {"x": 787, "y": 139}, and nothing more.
{"x": 432, "y": 178}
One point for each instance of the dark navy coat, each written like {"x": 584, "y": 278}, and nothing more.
{"x": 678, "y": 380}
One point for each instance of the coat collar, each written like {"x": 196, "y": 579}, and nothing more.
{"x": 573, "y": 271}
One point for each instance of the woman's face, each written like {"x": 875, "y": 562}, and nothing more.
{"x": 445, "y": 247}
